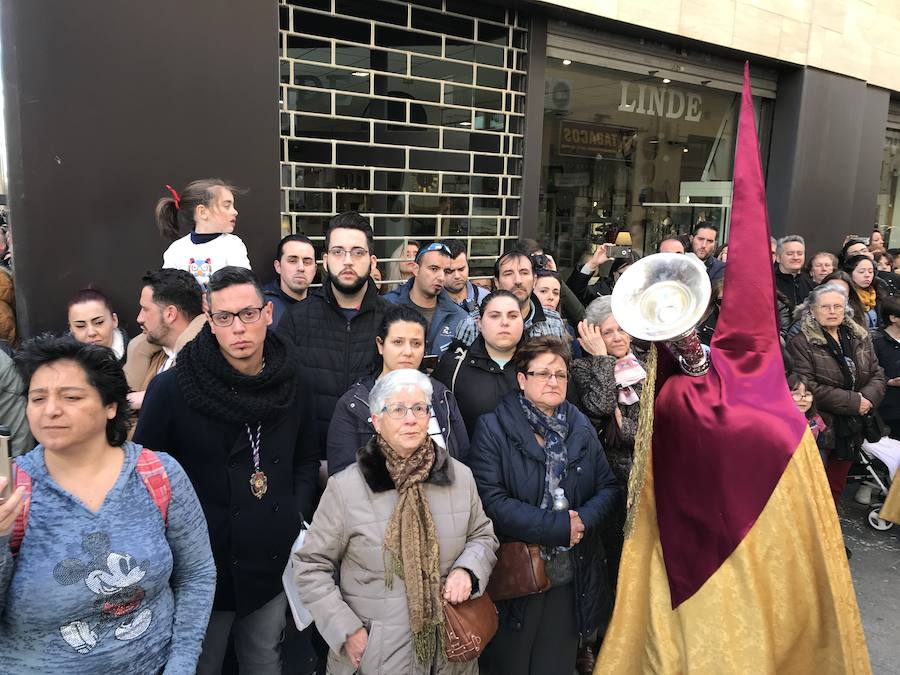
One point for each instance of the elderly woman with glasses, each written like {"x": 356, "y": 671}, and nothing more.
{"x": 610, "y": 380}
{"x": 532, "y": 450}
{"x": 834, "y": 355}
{"x": 405, "y": 530}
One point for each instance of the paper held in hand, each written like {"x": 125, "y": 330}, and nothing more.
{"x": 302, "y": 617}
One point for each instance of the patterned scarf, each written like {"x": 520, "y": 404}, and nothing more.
{"x": 867, "y": 297}
{"x": 411, "y": 546}
{"x": 628, "y": 372}
{"x": 554, "y": 430}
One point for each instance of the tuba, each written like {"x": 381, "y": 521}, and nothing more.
{"x": 662, "y": 298}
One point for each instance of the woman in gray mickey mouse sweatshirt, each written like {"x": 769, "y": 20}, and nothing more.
{"x": 110, "y": 576}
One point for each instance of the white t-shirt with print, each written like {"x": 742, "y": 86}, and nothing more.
{"x": 202, "y": 260}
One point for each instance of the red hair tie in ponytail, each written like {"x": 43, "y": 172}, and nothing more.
{"x": 174, "y": 196}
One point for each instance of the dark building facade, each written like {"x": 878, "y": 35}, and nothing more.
{"x": 437, "y": 118}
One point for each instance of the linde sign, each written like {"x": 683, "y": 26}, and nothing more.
{"x": 645, "y": 99}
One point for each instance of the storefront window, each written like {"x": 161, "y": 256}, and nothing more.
{"x": 888, "y": 216}
{"x": 626, "y": 152}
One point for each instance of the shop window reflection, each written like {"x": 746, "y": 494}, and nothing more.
{"x": 626, "y": 152}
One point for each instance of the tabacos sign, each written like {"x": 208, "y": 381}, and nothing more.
{"x": 580, "y": 138}
{"x": 646, "y": 99}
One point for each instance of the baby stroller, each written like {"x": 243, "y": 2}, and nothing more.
{"x": 876, "y": 465}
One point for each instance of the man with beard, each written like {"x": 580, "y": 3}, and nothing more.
{"x": 295, "y": 265}
{"x": 456, "y": 281}
{"x": 233, "y": 413}
{"x": 425, "y": 293}
{"x": 703, "y": 245}
{"x": 334, "y": 329}
{"x": 171, "y": 316}
{"x": 514, "y": 272}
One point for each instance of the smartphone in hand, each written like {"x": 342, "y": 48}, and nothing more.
{"x": 430, "y": 361}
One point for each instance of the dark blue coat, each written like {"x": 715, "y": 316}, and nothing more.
{"x": 509, "y": 468}
{"x": 281, "y": 301}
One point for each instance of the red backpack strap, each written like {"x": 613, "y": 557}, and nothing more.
{"x": 156, "y": 480}
{"x": 20, "y": 479}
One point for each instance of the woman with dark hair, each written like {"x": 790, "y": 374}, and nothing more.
{"x": 834, "y": 355}
{"x": 865, "y": 285}
{"x": 482, "y": 373}
{"x": 886, "y": 341}
{"x": 548, "y": 289}
{"x": 544, "y": 479}
{"x": 722, "y": 252}
{"x": 205, "y": 208}
{"x": 93, "y": 322}
{"x": 884, "y": 261}
{"x": 400, "y": 342}
{"x": 110, "y": 555}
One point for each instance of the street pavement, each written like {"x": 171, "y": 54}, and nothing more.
{"x": 875, "y": 566}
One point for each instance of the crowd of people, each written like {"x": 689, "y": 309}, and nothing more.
{"x": 422, "y": 429}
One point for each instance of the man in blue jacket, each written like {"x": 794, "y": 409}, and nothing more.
{"x": 425, "y": 293}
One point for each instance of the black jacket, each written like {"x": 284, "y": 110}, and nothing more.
{"x": 475, "y": 379}
{"x": 351, "y": 429}
{"x": 333, "y": 352}
{"x": 280, "y": 300}
{"x": 715, "y": 268}
{"x": 509, "y": 468}
{"x": 251, "y": 538}
{"x": 580, "y": 284}
{"x": 795, "y": 287}
{"x": 887, "y": 349}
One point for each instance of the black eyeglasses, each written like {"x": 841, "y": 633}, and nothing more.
{"x": 246, "y": 315}
{"x": 357, "y": 252}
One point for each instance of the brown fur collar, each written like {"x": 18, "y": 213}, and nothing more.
{"x": 814, "y": 334}
{"x": 372, "y": 465}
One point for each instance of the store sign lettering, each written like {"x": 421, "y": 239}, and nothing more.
{"x": 645, "y": 99}
{"x": 578, "y": 138}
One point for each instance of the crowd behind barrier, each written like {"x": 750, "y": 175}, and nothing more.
{"x": 430, "y": 432}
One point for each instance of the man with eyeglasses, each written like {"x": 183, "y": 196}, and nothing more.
{"x": 295, "y": 265}
{"x": 425, "y": 293}
{"x": 334, "y": 329}
{"x": 234, "y": 413}
{"x": 514, "y": 272}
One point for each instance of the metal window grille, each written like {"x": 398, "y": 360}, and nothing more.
{"x": 411, "y": 113}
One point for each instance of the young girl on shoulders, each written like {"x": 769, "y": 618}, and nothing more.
{"x": 205, "y": 208}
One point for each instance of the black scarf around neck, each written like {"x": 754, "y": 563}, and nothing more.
{"x": 213, "y": 387}
{"x": 848, "y": 429}
{"x": 841, "y": 352}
